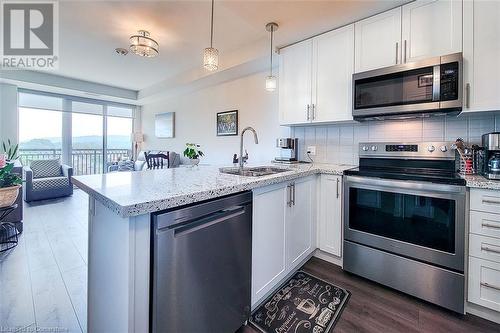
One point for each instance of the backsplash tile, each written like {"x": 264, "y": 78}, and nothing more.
{"x": 338, "y": 143}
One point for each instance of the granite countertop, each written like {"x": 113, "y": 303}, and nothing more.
{"x": 142, "y": 192}
{"x": 478, "y": 181}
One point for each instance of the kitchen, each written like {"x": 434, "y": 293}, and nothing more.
{"x": 363, "y": 193}
{"x": 405, "y": 84}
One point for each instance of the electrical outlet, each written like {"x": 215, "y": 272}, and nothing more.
{"x": 311, "y": 150}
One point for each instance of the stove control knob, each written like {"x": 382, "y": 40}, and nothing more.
{"x": 374, "y": 148}
{"x": 431, "y": 149}
{"x": 444, "y": 149}
{"x": 365, "y": 148}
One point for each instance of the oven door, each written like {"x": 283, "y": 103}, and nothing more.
{"x": 419, "y": 220}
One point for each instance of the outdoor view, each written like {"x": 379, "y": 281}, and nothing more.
{"x": 41, "y": 137}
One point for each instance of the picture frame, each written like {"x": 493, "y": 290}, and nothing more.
{"x": 165, "y": 125}
{"x": 227, "y": 123}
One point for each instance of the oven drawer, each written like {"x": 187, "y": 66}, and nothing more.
{"x": 486, "y": 224}
{"x": 484, "y": 248}
{"x": 485, "y": 200}
{"x": 484, "y": 283}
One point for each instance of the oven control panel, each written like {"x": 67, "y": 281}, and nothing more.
{"x": 433, "y": 150}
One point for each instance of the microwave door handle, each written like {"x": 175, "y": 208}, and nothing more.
{"x": 436, "y": 83}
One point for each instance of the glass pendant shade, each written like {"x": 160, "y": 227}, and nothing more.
{"x": 142, "y": 45}
{"x": 211, "y": 58}
{"x": 271, "y": 83}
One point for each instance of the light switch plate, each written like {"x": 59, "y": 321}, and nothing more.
{"x": 312, "y": 150}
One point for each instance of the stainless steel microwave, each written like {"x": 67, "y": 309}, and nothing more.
{"x": 423, "y": 88}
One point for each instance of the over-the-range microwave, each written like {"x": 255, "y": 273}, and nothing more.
{"x": 423, "y": 88}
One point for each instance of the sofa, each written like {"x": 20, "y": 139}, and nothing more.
{"x": 140, "y": 163}
{"x": 47, "y": 179}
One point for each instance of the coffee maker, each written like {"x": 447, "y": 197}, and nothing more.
{"x": 491, "y": 155}
{"x": 288, "y": 149}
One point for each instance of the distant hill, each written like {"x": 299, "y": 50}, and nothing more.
{"x": 81, "y": 142}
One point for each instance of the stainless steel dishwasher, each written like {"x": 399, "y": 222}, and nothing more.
{"x": 201, "y": 266}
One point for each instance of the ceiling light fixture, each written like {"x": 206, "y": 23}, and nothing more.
{"x": 271, "y": 81}
{"x": 143, "y": 45}
{"x": 211, "y": 54}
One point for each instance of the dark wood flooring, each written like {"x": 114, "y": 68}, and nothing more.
{"x": 375, "y": 308}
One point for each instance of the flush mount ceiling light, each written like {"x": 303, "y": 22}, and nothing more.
{"x": 271, "y": 81}
{"x": 143, "y": 45}
{"x": 211, "y": 54}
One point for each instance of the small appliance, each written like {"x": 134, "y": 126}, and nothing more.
{"x": 404, "y": 220}
{"x": 288, "y": 149}
{"x": 491, "y": 155}
{"x": 424, "y": 88}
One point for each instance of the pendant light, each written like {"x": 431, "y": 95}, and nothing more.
{"x": 211, "y": 54}
{"x": 271, "y": 81}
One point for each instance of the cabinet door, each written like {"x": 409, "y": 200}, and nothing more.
{"x": 330, "y": 218}
{"x": 481, "y": 55}
{"x": 431, "y": 28}
{"x": 300, "y": 223}
{"x": 295, "y": 83}
{"x": 378, "y": 41}
{"x": 268, "y": 239}
{"x": 333, "y": 65}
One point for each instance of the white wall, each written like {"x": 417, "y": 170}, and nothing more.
{"x": 195, "y": 120}
{"x": 339, "y": 143}
{"x": 9, "y": 119}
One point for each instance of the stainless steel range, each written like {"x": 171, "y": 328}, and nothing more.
{"x": 404, "y": 220}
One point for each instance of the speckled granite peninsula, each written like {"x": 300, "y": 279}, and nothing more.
{"x": 136, "y": 193}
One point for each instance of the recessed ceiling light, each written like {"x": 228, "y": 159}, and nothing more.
{"x": 121, "y": 51}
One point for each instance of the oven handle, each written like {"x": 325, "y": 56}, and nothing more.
{"x": 409, "y": 185}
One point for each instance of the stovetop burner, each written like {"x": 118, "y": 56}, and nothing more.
{"x": 413, "y": 162}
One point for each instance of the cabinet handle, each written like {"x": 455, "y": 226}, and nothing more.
{"x": 314, "y": 112}
{"x": 487, "y": 285}
{"x": 467, "y": 95}
{"x": 308, "y": 112}
{"x": 488, "y": 249}
{"x": 289, "y": 195}
{"x": 293, "y": 191}
{"x": 491, "y": 201}
{"x": 489, "y": 225}
{"x": 397, "y": 49}
{"x": 405, "y": 51}
{"x": 338, "y": 187}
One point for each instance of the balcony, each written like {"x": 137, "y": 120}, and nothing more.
{"x": 84, "y": 161}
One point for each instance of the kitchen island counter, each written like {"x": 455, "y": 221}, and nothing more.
{"x": 136, "y": 193}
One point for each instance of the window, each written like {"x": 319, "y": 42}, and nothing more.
{"x": 88, "y": 134}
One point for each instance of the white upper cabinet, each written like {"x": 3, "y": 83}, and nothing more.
{"x": 481, "y": 55}
{"x": 333, "y": 66}
{"x": 295, "y": 86}
{"x": 431, "y": 28}
{"x": 378, "y": 41}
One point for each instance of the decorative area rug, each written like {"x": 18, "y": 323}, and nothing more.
{"x": 303, "y": 304}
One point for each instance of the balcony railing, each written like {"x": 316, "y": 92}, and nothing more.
{"x": 84, "y": 161}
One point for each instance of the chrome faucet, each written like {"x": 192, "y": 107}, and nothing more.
{"x": 241, "y": 160}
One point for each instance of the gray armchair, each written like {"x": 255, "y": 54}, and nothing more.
{"x": 47, "y": 179}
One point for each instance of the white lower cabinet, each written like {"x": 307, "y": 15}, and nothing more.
{"x": 330, "y": 214}
{"x": 283, "y": 232}
{"x": 484, "y": 283}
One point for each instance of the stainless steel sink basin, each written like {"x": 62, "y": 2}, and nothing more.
{"x": 254, "y": 171}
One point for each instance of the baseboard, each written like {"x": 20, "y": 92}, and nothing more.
{"x": 328, "y": 257}
{"x": 483, "y": 312}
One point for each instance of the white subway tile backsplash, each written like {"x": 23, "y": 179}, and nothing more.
{"x": 338, "y": 143}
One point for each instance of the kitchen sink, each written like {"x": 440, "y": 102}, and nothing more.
{"x": 253, "y": 171}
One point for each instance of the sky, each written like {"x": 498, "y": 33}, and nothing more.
{"x": 35, "y": 123}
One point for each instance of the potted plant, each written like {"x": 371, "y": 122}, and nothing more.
{"x": 10, "y": 150}
{"x": 9, "y": 183}
{"x": 193, "y": 153}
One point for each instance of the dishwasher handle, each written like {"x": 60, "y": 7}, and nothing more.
{"x": 209, "y": 220}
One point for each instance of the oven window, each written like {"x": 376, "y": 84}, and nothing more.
{"x": 410, "y": 87}
{"x": 419, "y": 220}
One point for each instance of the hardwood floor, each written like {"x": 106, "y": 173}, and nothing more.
{"x": 43, "y": 281}
{"x": 375, "y": 308}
